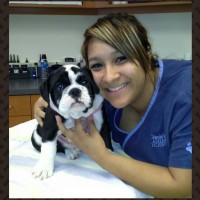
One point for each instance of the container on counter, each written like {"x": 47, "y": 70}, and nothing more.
{"x": 44, "y": 68}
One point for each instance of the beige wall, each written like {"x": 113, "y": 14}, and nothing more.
{"x": 60, "y": 36}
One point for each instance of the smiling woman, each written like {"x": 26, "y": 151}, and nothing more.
{"x": 148, "y": 106}
{"x": 120, "y": 80}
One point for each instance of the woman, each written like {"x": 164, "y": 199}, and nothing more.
{"x": 148, "y": 104}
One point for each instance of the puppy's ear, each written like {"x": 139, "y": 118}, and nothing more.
{"x": 89, "y": 73}
{"x": 45, "y": 88}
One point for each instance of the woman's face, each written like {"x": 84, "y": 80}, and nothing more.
{"x": 120, "y": 81}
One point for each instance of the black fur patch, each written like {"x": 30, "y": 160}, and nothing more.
{"x": 76, "y": 70}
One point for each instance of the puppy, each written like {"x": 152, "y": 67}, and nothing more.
{"x": 72, "y": 94}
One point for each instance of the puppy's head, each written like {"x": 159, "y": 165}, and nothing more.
{"x": 70, "y": 91}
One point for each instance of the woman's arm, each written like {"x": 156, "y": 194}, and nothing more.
{"x": 39, "y": 107}
{"x": 155, "y": 180}
{"x": 151, "y": 179}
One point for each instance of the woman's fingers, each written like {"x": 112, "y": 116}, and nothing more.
{"x": 39, "y": 107}
{"x": 78, "y": 132}
{"x": 39, "y": 116}
{"x": 39, "y": 120}
{"x": 79, "y": 126}
{"x": 45, "y": 104}
{"x": 85, "y": 127}
{"x": 92, "y": 126}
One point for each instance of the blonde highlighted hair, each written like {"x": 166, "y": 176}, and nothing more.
{"x": 125, "y": 33}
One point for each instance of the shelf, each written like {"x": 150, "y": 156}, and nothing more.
{"x": 101, "y": 7}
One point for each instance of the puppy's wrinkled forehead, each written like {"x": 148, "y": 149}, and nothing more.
{"x": 72, "y": 70}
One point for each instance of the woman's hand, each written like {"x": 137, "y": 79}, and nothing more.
{"x": 39, "y": 107}
{"x": 91, "y": 143}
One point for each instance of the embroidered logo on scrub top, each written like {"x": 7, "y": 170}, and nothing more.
{"x": 158, "y": 140}
{"x": 189, "y": 147}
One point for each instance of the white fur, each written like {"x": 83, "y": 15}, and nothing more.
{"x": 45, "y": 166}
{"x": 66, "y": 102}
{"x": 37, "y": 137}
{"x": 72, "y": 153}
{"x": 68, "y": 67}
{"x": 71, "y": 110}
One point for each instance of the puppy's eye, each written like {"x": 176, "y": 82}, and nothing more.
{"x": 84, "y": 81}
{"x": 60, "y": 86}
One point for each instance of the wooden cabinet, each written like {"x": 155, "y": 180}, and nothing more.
{"x": 101, "y": 7}
{"x": 21, "y": 108}
{"x": 33, "y": 100}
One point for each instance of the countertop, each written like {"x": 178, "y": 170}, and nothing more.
{"x": 24, "y": 86}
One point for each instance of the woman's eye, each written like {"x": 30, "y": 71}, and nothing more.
{"x": 120, "y": 59}
{"x": 60, "y": 86}
{"x": 96, "y": 66}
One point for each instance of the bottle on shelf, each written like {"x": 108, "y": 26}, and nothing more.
{"x": 18, "y": 59}
{"x": 44, "y": 66}
{"x": 14, "y": 61}
{"x": 11, "y": 59}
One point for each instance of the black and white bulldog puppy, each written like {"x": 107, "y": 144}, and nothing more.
{"x": 71, "y": 93}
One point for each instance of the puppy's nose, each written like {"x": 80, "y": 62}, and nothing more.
{"x": 75, "y": 93}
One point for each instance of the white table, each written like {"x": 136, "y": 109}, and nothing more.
{"x": 80, "y": 178}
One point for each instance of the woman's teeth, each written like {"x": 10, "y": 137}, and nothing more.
{"x": 117, "y": 88}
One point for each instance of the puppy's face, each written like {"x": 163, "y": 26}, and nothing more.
{"x": 71, "y": 90}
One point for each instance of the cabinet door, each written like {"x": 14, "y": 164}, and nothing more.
{"x": 19, "y": 109}
{"x": 13, "y": 121}
{"x": 19, "y": 105}
{"x": 34, "y": 98}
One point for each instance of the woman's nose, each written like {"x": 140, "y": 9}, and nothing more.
{"x": 111, "y": 74}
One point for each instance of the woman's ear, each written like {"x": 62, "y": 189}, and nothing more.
{"x": 150, "y": 56}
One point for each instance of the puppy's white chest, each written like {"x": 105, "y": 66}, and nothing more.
{"x": 70, "y": 123}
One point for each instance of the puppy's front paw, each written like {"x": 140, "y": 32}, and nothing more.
{"x": 72, "y": 153}
{"x": 43, "y": 170}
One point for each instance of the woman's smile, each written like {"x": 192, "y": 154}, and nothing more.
{"x": 117, "y": 89}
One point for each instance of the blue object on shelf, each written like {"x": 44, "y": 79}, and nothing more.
{"x": 44, "y": 68}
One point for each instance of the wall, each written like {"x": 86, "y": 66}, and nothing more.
{"x": 61, "y": 36}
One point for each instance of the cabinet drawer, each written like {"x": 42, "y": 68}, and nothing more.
{"x": 19, "y": 105}
{"x": 18, "y": 120}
